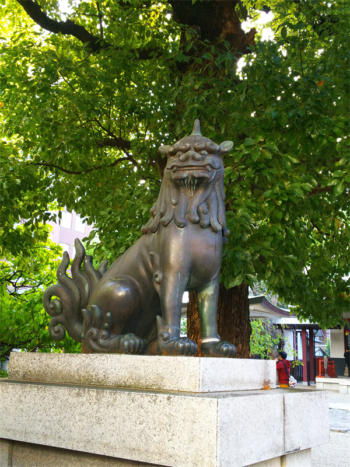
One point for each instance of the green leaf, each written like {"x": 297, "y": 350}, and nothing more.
{"x": 299, "y": 192}
{"x": 338, "y": 189}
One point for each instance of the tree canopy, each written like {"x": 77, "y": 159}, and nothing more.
{"x": 88, "y": 95}
{"x": 23, "y": 320}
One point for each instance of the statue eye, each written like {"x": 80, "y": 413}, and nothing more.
{"x": 211, "y": 147}
{"x": 185, "y": 147}
{"x": 173, "y": 150}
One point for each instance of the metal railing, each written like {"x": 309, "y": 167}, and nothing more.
{"x": 297, "y": 371}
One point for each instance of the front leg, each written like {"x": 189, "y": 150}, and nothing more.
{"x": 211, "y": 345}
{"x": 171, "y": 290}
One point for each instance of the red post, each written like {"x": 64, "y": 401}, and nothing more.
{"x": 312, "y": 355}
{"x": 304, "y": 345}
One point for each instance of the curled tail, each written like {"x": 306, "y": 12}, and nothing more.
{"x": 73, "y": 294}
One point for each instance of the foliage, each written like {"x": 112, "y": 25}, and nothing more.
{"x": 327, "y": 349}
{"x": 265, "y": 339}
{"x": 82, "y": 117}
{"x": 183, "y": 326}
{"x": 259, "y": 288}
{"x": 262, "y": 340}
{"x": 3, "y": 374}
{"x": 23, "y": 320}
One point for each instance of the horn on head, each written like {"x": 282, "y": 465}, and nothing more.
{"x": 196, "y": 128}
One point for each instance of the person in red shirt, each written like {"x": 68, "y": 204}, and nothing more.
{"x": 283, "y": 369}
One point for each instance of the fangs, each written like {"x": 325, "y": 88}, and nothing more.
{"x": 195, "y": 167}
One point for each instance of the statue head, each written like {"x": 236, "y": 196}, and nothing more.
{"x": 193, "y": 184}
{"x": 194, "y": 159}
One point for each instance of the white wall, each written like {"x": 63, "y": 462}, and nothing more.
{"x": 300, "y": 346}
{"x": 337, "y": 343}
{"x": 68, "y": 230}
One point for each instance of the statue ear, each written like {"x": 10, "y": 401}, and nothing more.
{"x": 226, "y": 146}
{"x": 164, "y": 150}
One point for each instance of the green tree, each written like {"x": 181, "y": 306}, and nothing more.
{"x": 23, "y": 320}
{"x": 263, "y": 339}
{"x": 87, "y": 97}
{"x": 327, "y": 349}
{"x": 259, "y": 288}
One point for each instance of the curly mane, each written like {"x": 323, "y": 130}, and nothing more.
{"x": 184, "y": 202}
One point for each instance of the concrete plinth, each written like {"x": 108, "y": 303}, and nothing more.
{"x": 334, "y": 384}
{"x": 201, "y": 428}
{"x": 143, "y": 372}
{"x": 344, "y": 386}
{"x": 331, "y": 384}
{"x": 17, "y": 454}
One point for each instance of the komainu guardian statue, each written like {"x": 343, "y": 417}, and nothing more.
{"x": 115, "y": 311}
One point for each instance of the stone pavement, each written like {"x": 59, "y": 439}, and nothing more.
{"x": 337, "y": 452}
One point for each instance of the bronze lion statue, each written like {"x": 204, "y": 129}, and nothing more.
{"x": 135, "y": 306}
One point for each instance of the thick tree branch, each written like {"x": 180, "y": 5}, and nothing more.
{"x": 263, "y": 259}
{"x": 315, "y": 226}
{"x": 92, "y": 169}
{"x": 316, "y": 191}
{"x": 114, "y": 143}
{"x": 69, "y": 28}
{"x": 100, "y": 18}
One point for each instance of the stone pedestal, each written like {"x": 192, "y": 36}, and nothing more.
{"x": 334, "y": 384}
{"x": 158, "y": 411}
{"x": 344, "y": 386}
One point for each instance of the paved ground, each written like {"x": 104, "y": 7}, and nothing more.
{"x": 337, "y": 452}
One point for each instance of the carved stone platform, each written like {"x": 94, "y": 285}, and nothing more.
{"x": 334, "y": 384}
{"x": 184, "y": 374}
{"x": 172, "y": 414}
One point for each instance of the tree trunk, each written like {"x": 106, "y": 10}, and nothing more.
{"x": 233, "y": 319}
{"x": 215, "y": 21}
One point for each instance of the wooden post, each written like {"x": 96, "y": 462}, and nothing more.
{"x": 312, "y": 355}
{"x": 304, "y": 345}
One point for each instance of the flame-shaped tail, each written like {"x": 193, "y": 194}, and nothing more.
{"x": 73, "y": 294}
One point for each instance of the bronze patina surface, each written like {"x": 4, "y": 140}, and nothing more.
{"x": 114, "y": 311}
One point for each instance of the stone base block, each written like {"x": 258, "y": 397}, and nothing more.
{"x": 6, "y": 447}
{"x": 185, "y": 374}
{"x": 334, "y": 384}
{"x": 331, "y": 384}
{"x": 17, "y": 454}
{"x": 297, "y": 459}
{"x": 231, "y": 429}
{"x": 335, "y": 454}
{"x": 344, "y": 386}
{"x": 133, "y": 411}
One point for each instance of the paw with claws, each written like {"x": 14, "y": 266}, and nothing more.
{"x": 170, "y": 342}
{"x": 131, "y": 344}
{"x": 97, "y": 335}
{"x": 219, "y": 349}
